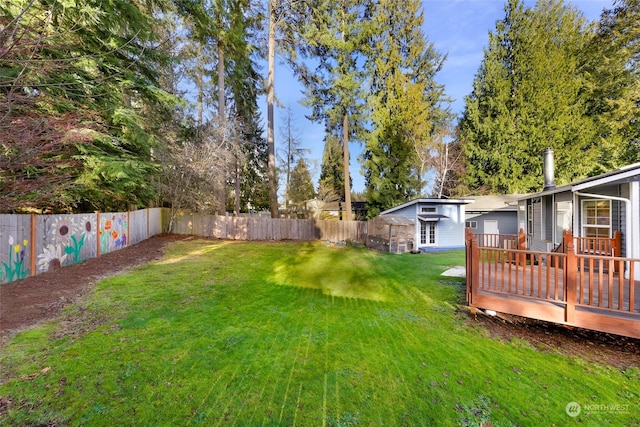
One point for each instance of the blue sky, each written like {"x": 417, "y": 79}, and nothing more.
{"x": 458, "y": 28}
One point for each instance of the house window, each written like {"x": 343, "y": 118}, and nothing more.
{"x": 563, "y": 219}
{"x": 596, "y": 218}
{"x": 471, "y": 224}
{"x": 428, "y": 209}
{"x": 530, "y": 218}
{"x": 428, "y": 233}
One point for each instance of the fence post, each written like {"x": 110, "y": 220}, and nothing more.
{"x": 33, "y": 249}
{"x": 570, "y": 277}
{"x": 98, "y": 234}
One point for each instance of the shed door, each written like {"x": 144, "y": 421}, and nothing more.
{"x": 428, "y": 233}
{"x": 490, "y": 230}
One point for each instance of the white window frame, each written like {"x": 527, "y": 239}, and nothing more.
{"x": 428, "y": 209}
{"x": 471, "y": 224}
{"x": 425, "y": 233}
{"x": 583, "y": 217}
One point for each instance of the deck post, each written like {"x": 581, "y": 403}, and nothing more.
{"x": 522, "y": 245}
{"x": 570, "y": 277}
{"x": 473, "y": 255}
{"x": 616, "y": 247}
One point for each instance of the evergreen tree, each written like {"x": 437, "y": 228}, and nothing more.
{"x": 408, "y": 106}
{"x": 613, "y": 69}
{"x": 529, "y": 94}
{"x": 92, "y": 60}
{"x": 300, "y": 187}
{"x": 333, "y": 38}
{"x": 331, "y": 168}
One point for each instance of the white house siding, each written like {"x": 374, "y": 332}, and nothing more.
{"x": 449, "y": 231}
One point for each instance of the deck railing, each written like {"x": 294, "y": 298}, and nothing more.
{"x": 591, "y": 291}
{"x": 506, "y": 241}
{"x": 599, "y": 245}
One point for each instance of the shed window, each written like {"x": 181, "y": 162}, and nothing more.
{"x": 596, "y": 218}
{"x": 428, "y": 209}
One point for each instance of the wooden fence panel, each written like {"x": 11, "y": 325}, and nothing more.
{"x": 15, "y": 247}
{"x": 157, "y": 220}
{"x": 113, "y": 231}
{"x": 63, "y": 240}
{"x": 33, "y": 244}
{"x": 264, "y": 228}
{"x": 138, "y": 226}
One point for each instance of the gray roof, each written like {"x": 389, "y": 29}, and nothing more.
{"x": 625, "y": 174}
{"x": 500, "y": 202}
{"x": 432, "y": 201}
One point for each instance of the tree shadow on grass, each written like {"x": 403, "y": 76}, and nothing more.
{"x": 343, "y": 272}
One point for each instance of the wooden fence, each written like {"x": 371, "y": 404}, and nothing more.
{"x": 599, "y": 292}
{"x": 31, "y": 244}
{"x": 261, "y": 228}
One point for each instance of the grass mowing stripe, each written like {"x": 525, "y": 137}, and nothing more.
{"x": 268, "y": 379}
{"x": 286, "y": 391}
{"x": 326, "y": 364}
{"x": 304, "y": 365}
{"x": 206, "y": 396}
{"x": 249, "y": 353}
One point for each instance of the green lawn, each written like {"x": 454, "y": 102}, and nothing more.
{"x": 222, "y": 333}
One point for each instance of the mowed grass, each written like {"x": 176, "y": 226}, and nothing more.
{"x": 222, "y": 333}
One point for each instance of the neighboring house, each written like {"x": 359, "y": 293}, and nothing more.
{"x": 493, "y": 214}
{"x": 439, "y": 223}
{"x": 593, "y": 207}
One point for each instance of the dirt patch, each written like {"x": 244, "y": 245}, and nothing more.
{"x": 618, "y": 351}
{"x": 26, "y": 303}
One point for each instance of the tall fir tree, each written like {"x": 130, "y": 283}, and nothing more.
{"x": 613, "y": 75}
{"x": 407, "y": 104}
{"x": 528, "y": 95}
{"x": 300, "y": 187}
{"x": 331, "y": 168}
{"x": 334, "y": 38}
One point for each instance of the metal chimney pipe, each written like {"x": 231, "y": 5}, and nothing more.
{"x": 548, "y": 170}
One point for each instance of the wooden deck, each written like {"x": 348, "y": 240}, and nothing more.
{"x": 588, "y": 291}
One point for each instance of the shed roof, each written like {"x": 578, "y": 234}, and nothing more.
{"x": 428, "y": 201}
{"x": 393, "y": 220}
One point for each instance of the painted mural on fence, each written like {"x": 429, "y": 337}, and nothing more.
{"x": 32, "y": 244}
{"x": 15, "y": 268}
{"x": 113, "y": 231}
{"x": 68, "y": 234}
